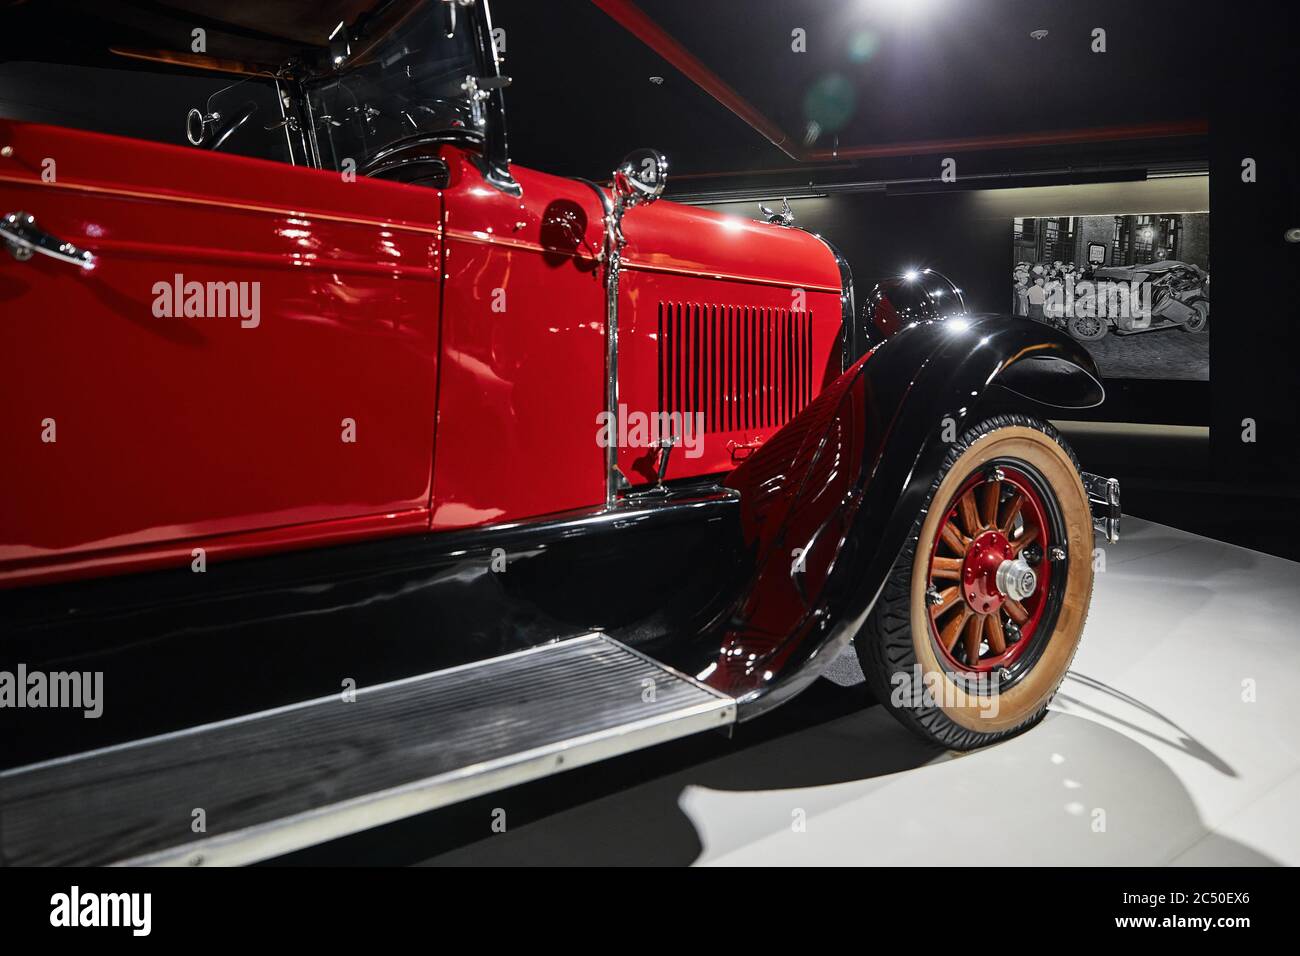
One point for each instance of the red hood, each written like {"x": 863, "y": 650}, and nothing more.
{"x": 671, "y": 237}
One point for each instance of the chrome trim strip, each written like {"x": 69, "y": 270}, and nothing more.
{"x": 849, "y": 348}
{"x": 614, "y": 482}
{"x": 613, "y": 264}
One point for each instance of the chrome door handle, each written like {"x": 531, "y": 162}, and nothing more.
{"x": 19, "y": 232}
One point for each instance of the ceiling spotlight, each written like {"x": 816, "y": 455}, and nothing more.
{"x": 1039, "y": 34}
{"x": 657, "y": 80}
{"x": 905, "y": 9}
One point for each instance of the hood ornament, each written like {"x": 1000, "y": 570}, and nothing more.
{"x": 783, "y": 218}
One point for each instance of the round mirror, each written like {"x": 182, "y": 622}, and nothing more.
{"x": 198, "y": 125}
{"x": 641, "y": 177}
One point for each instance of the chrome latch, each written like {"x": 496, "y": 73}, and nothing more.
{"x": 665, "y": 450}
{"x": 20, "y": 235}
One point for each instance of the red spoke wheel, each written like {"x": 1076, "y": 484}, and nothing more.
{"x": 988, "y": 581}
{"x": 984, "y": 608}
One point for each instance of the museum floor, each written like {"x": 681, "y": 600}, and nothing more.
{"x": 1173, "y": 741}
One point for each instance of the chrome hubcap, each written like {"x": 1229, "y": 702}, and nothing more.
{"x": 1016, "y": 579}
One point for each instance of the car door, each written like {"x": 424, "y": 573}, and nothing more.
{"x": 250, "y": 362}
{"x": 523, "y": 358}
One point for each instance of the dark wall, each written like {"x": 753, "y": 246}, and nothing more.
{"x": 967, "y": 235}
{"x": 885, "y": 235}
{"x": 1254, "y": 361}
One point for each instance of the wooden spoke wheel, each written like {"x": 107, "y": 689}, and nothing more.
{"x": 988, "y": 579}
{"x": 985, "y": 606}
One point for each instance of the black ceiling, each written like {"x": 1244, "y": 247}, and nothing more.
{"x": 875, "y": 72}
{"x": 929, "y": 69}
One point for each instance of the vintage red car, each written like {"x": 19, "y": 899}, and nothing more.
{"x": 384, "y": 471}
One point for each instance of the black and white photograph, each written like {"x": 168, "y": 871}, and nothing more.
{"x": 1106, "y": 278}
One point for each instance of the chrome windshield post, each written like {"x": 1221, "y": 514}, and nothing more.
{"x": 640, "y": 178}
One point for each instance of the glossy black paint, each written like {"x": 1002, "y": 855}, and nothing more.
{"x": 178, "y": 648}
{"x": 842, "y": 484}
{"x": 897, "y": 301}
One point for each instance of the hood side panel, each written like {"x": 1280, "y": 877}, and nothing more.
{"x": 667, "y": 236}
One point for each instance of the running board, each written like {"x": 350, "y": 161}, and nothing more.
{"x": 272, "y": 782}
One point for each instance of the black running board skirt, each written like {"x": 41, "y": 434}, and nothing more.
{"x": 269, "y": 783}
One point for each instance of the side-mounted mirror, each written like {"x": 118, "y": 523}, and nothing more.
{"x": 200, "y": 126}
{"x": 211, "y": 130}
{"x": 640, "y": 177}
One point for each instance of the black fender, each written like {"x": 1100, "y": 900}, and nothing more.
{"x": 828, "y": 502}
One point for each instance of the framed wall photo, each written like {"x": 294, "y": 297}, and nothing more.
{"x": 1134, "y": 289}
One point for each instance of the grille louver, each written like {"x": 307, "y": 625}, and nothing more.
{"x": 743, "y": 367}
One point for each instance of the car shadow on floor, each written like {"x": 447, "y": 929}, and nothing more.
{"x": 833, "y": 757}
{"x": 1072, "y": 791}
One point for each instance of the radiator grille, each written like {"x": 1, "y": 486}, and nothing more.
{"x": 743, "y": 367}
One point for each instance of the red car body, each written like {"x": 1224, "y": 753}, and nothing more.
{"x": 461, "y": 331}
{"x": 269, "y": 423}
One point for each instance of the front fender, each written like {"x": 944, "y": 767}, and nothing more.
{"x": 827, "y": 503}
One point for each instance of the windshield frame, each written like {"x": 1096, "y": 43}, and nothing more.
{"x": 489, "y": 144}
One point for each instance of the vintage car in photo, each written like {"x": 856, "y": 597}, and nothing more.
{"x": 378, "y": 471}
{"x": 1173, "y": 295}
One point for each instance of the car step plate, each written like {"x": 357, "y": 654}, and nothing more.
{"x": 272, "y": 782}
